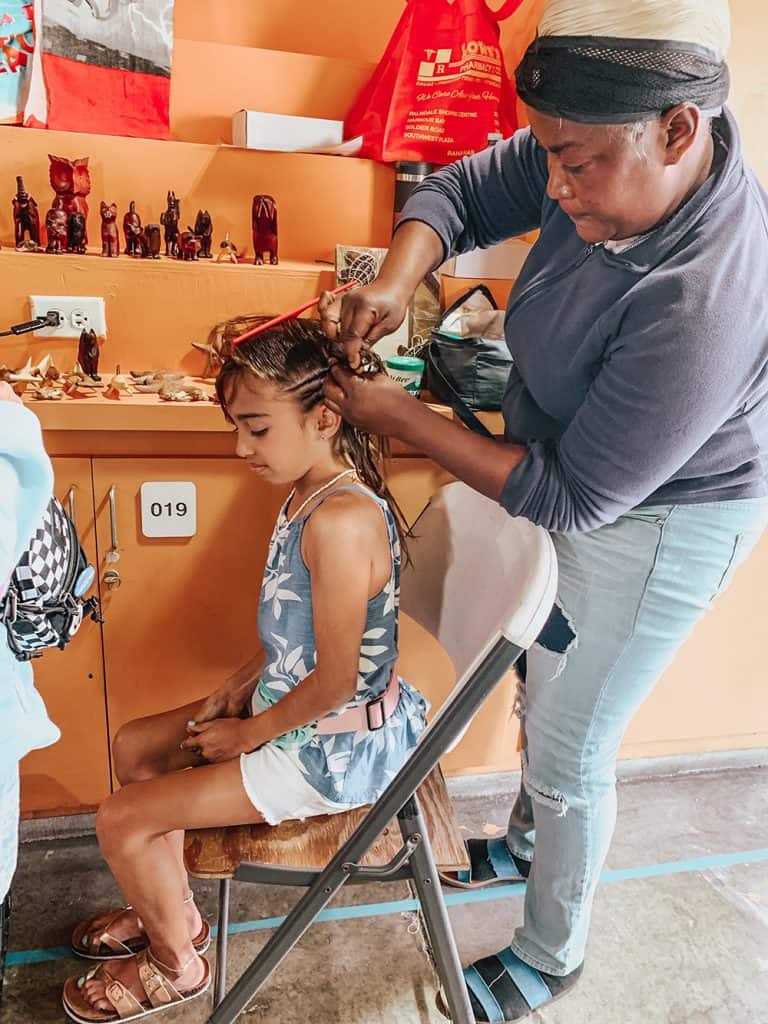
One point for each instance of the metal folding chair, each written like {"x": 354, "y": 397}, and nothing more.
{"x": 483, "y": 584}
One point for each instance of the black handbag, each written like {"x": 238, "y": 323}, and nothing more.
{"x": 469, "y": 374}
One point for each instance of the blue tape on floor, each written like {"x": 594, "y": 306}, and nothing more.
{"x": 499, "y": 892}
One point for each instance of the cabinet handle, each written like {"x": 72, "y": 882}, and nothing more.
{"x": 71, "y": 506}
{"x": 111, "y": 579}
{"x": 113, "y": 555}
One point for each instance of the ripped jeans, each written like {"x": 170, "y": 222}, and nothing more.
{"x": 628, "y": 596}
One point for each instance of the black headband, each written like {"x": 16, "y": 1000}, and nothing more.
{"x": 603, "y": 80}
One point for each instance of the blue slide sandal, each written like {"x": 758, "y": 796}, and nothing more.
{"x": 503, "y": 989}
{"x": 491, "y": 863}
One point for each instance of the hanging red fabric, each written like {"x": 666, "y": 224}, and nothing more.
{"x": 441, "y": 87}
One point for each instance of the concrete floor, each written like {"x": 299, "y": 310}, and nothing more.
{"x": 687, "y": 944}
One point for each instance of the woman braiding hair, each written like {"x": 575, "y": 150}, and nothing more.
{"x": 635, "y": 417}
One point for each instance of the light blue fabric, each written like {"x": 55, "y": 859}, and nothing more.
{"x": 349, "y": 768}
{"x": 632, "y": 592}
{"x": 9, "y": 826}
{"x": 26, "y": 482}
{"x": 528, "y": 982}
{"x": 477, "y": 986}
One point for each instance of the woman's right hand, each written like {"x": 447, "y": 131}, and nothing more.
{"x": 357, "y": 319}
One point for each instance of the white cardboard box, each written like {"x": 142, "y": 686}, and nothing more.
{"x": 502, "y": 261}
{"x": 253, "y": 130}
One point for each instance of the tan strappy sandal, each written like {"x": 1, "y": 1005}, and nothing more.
{"x": 160, "y": 993}
{"x": 101, "y": 944}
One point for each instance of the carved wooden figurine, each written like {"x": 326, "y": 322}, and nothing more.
{"x": 71, "y": 182}
{"x": 228, "y": 251}
{"x": 56, "y": 229}
{"x": 110, "y": 241}
{"x": 204, "y": 231}
{"x": 169, "y": 218}
{"x": 132, "y": 231}
{"x": 118, "y": 384}
{"x": 76, "y": 232}
{"x": 264, "y": 223}
{"x": 188, "y": 245}
{"x": 88, "y": 354}
{"x": 26, "y": 219}
{"x": 149, "y": 241}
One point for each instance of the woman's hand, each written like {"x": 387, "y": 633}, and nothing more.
{"x": 373, "y": 402}
{"x": 221, "y": 740}
{"x": 357, "y": 319}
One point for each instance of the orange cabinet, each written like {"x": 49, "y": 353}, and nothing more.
{"x": 180, "y": 614}
{"x": 73, "y": 774}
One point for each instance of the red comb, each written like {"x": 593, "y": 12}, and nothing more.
{"x": 287, "y": 316}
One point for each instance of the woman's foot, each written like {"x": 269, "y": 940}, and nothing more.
{"x": 127, "y": 973}
{"x": 503, "y": 989}
{"x": 120, "y": 933}
{"x": 491, "y": 863}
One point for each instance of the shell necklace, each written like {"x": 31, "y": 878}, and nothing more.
{"x": 303, "y": 505}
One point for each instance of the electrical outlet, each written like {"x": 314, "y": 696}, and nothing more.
{"x": 77, "y": 313}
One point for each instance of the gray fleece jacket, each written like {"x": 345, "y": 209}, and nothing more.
{"x": 639, "y": 378}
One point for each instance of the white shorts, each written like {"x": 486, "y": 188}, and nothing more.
{"x": 278, "y": 790}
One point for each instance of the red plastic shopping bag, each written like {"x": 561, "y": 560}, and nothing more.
{"x": 441, "y": 87}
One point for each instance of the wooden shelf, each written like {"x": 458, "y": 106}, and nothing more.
{"x": 272, "y": 81}
{"x": 322, "y": 200}
{"x": 144, "y": 425}
{"x": 129, "y": 412}
{"x": 93, "y": 262}
{"x": 139, "y": 412}
{"x": 155, "y": 309}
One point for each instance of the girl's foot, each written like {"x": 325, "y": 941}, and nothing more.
{"x": 120, "y": 933}
{"x": 127, "y": 973}
{"x": 131, "y": 988}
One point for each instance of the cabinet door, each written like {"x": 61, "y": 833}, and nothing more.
{"x": 182, "y": 613}
{"x": 491, "y": 742}
{"x": 73, "y": 774}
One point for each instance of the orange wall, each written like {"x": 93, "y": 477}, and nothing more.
{"x": 286, "y": 57}
{"x": 326, "y": 51}
{"x": 347, "y": 29}
{"x": 749, "y": 91}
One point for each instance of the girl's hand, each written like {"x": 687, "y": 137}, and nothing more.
{"x": 373, "y": 402}
{"x": 222, "y": 740}
{"x": 226, "y": 702}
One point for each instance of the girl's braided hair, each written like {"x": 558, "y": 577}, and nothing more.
{"x": 295, "y": 356}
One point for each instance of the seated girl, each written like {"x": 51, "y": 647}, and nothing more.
{"x": 317, "y": 724}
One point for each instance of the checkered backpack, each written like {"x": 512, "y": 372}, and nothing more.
{"x": 45, "y": 602}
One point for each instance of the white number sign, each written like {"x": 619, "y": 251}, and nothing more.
{"x": 169, "y": 508}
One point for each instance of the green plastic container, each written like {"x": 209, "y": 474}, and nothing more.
{"x": 408, "y": 371}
